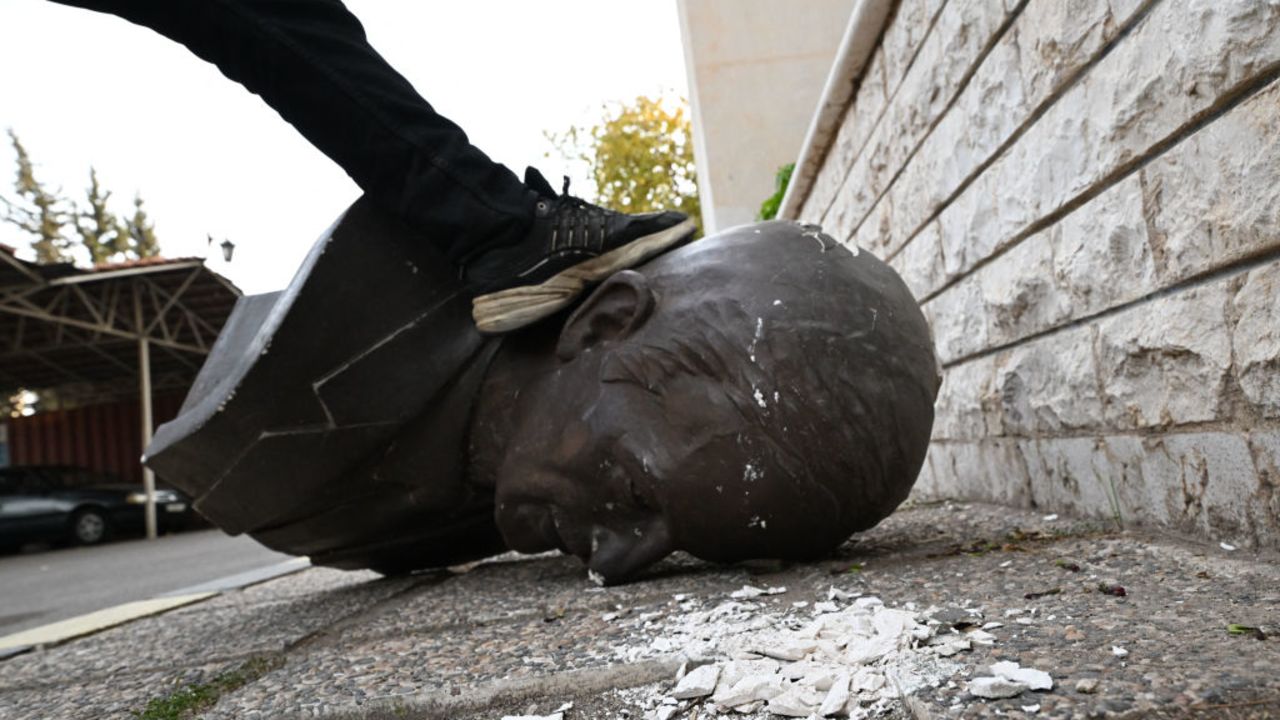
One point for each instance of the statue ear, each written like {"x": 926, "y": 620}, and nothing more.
{"x": 615, "y": 310}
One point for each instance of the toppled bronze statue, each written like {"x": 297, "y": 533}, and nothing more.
{"x": 761, "y": 393}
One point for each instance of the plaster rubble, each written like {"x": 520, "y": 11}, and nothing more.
{"x": 848, "y": 661}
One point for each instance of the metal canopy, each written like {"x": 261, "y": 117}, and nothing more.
{"x": 61, "y": 325}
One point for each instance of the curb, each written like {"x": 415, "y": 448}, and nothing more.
{"x": 63, "y": 630}
{"x": 242, "y": 580}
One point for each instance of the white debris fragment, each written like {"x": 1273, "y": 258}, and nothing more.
{"x": 866, "y": 680}
{"x": 781, "y": 647}
{"x": 666, "y": 712}
{"x": 835, "y": 593}
{"x": 750, "y": 689}
{"x": 733, "y": 672}
{"x": 699, "y": 682}
{"x": 981, "y": 637}
{"x": 995, "y": 688}
{"x": 751, "y": 349}
{"x": 595, "y": 577}
{"x": 953, "y": 647}
{"x": 992, "y": 625}
{"x": 1119, "y": 651}
{"x": 800, "y": 604}
{"x": 1032, "y": 678}
{"x": 564, "y": 708}
{"x": 826, "y": 606}
{"x": 1030, "y": 709}
{"x": 837, "y": 697}
{"x": 789, "y": 704}
{"x": 1051, "y": 517}
{"x": 751, "y": 591}
{"x": 1227, "y": 546}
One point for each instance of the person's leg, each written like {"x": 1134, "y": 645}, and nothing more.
{"x": 525, "y": 252}
{"x": 310, "y": 61}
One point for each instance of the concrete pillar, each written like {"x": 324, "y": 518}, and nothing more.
{"x": 144, "y": 400}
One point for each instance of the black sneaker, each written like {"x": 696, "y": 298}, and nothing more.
{"x": 572, "y": 245}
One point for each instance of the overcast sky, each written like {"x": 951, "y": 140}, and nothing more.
{"x": 81, "y": 89}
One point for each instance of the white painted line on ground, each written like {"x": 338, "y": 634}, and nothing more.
{"x": 247, "y": 578}
{"x": 96, "y": 621}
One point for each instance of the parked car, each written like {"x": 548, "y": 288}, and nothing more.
{"x": 63, "y": 503}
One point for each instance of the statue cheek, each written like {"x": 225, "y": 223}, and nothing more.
{"x": 571, "y": 441}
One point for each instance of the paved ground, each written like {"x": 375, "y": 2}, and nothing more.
{"x": 51, "y": 585}
{"x": 525, "y": 636}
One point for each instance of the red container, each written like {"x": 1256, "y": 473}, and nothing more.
{"x": 106, "y": 437}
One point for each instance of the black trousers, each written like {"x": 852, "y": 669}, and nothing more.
{"x": 311, "y": 62}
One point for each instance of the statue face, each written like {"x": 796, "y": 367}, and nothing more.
{"x": 732, "y": 399}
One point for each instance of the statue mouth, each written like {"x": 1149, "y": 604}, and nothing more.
{"x": 617, "y": 555}
{"x": 535, "y": 527}
{"x": 532, "y": 528}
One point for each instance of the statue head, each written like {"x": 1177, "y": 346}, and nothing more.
{"x": 762, "y": 393}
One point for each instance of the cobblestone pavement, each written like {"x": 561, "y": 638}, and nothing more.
{"x": 1127, "y": 624}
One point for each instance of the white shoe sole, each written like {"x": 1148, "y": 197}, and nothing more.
{"x": 514, "y": 308}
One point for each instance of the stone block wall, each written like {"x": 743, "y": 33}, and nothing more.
{"x": 1084, "y": 195}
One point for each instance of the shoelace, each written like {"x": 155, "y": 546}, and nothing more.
{"x": 576, "y": 213}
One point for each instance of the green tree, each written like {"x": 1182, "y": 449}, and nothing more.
{"x": 45, "y": 215}
{"x": 102, "y": 233}
{"x": 641, "y": 156}
{"x": 142, "y": 232}
{"x": 769, "y": 208}
{"x": 40, "y": 212}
